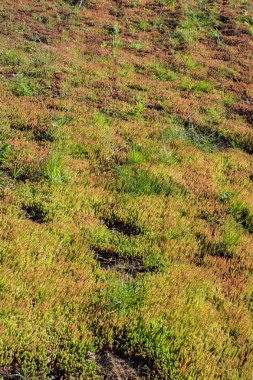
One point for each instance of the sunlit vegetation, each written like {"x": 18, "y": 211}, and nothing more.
{"x": 126, "y": 178}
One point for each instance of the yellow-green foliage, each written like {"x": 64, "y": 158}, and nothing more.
{"x": 126, "y": 184}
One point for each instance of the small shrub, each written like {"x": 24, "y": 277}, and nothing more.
{"x": 135, "y": 156}
{"x": 242, "y": 215}
{"x": 135, "y": 46}
{"x": 229, "y": 100}
{"x": 203, "y": 86}
{"x": 214, "y": 114}
{"x": 226, "y": 196}
{"x": 54, "y": 169}
{"x": 203, "y": 141}
{"x": 23, "y": 87}
{"x": 186, "y": 84}
{"x": 27, "y": 162}
{"x": 231, "y": 236}
{"x": 140, "y": 182}
{"x": 163, "y": 73}
{"x": 143, "y": 25}
{"x": 189, "y": 63}
{"x": 116, "y": 41}
{"x": 9, "y": 58}
{"x": 5, "y": 151}
{"x": 138, "y": 110}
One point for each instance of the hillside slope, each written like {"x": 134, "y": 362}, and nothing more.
{"x": 126, "y": 178}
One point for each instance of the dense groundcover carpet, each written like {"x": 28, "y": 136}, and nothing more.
{"x": 126, "y": 178}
